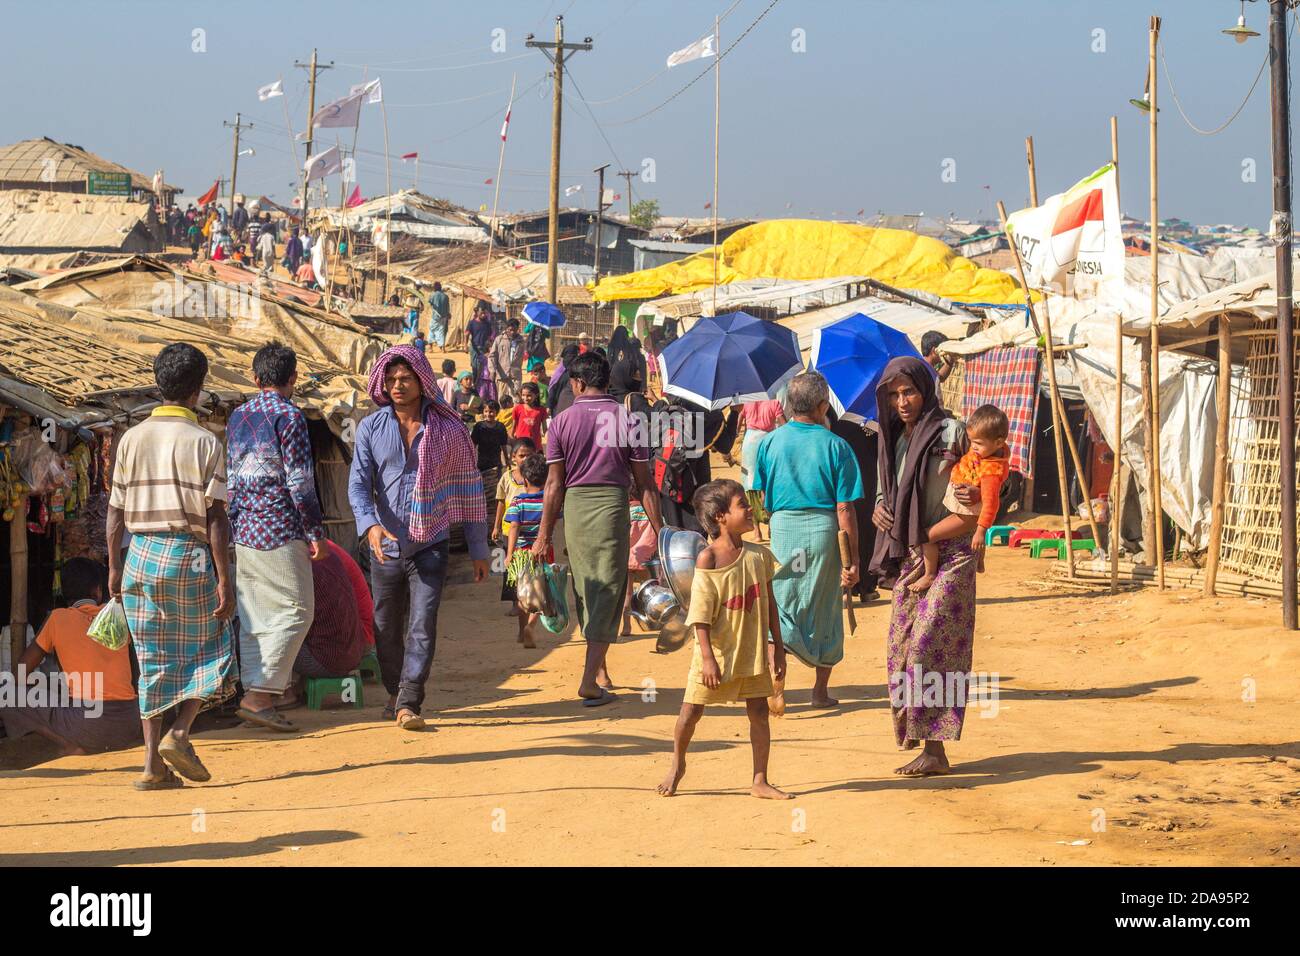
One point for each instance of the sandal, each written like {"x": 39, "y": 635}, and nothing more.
{"x": 390, "y": 713}
{"x": 168, "y": 781}
{"x": 183, "y": 758}
{"x": 269, "y": 718}
{"x": 410, "y": 721}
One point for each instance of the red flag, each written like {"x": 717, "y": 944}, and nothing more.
{"x": 488, "y": 181}
{"x": 708, "y": 205}
{"x": 210, "y": 195}
{"x": 406, "y": 156}
{"x": 506, "y": 125}
{"x": 617, "y": 196}
{"x": 355, "y": 199}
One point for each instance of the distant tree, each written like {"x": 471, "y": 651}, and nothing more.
{"x": 644, "y": 213}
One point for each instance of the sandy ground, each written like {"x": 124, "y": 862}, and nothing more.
{"x": 1121, "y": 721}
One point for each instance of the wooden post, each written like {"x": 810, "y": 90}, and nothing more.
{"x": 18, "y": 583}
{"x": 1057, "y": 425}
{"x": 1223, "y": 408}
{"x": 1117, "y": 468}
{"x": 717, "y": 113}
{"x": 1033, "y": 175}
{"x": 1153, "y": 402}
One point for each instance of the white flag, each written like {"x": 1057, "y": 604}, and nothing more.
{"x": 158, "y": 182}
{"x": 373, "y": 92}
{"x": 265, "y": 93}
{"x": 570, "y": 190}
{"x": 345, "y": 111}
{"x": 1073, "y": 239}
{"x": 700, "y": 48}
{"x": 379, "y": 235}
{"x": 323, "y": 164}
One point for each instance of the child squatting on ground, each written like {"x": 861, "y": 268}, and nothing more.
{"x": 984, "y": 465}
{"x": 733, "y": 612}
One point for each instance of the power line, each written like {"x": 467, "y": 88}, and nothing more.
{"x": 1179, "y": 103}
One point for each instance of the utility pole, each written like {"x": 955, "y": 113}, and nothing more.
{"x": 1277, "y": 43}
{"x": 234, "y": 164}
{"x": 313, "y": 68}
{"x": 627, "y": 174}
{"x": 600, "y": 219}
{"x": 556, "y": 53}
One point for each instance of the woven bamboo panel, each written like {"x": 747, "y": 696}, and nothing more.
{"x": 952, "y": 390}
{"x": 1252, "y": 529}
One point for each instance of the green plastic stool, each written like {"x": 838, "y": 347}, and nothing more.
{"x": 369, "y": 666}
{"x": 319, "y": 688}
{"x": 998, "y": 531}
{"x": 1056, "y": 546}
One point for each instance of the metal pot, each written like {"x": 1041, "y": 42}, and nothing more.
{"x": 653, "y": 604}
{"x": 678, "y": 549}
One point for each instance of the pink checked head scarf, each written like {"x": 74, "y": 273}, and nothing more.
{"x": 448, "y": 486}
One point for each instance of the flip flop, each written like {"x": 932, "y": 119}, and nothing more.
{"x": 605, "y": 698}
{"x": 390, "y": 713}
{"x": 411, "y": 722}
{"x": 268, "y": 717}
{"x": 183, "y": 759}
{"x": 168, "y": 781}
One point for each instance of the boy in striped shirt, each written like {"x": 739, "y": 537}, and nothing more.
{"x": 524, "y": 516}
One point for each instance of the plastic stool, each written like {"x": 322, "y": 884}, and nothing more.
{"x": 1021, "y": 535}
{"x": 1056, "y": 546}
{"x": 319, "y": 688}
{"x": 998, "y": 532}
{"x": 370, "y": 665}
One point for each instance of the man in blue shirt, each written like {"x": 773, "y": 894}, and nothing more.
{"x": 384, "y": 488}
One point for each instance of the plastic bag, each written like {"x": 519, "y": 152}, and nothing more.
{"x": 109, "y": 627}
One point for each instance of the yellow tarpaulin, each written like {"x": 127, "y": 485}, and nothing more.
{"x": 806, "y": 249}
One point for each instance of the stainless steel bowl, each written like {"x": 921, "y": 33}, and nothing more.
{"x": 678, "y": 549}
{"x": 653, "y": 604}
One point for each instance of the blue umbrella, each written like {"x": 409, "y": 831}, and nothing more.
{"x": 727, "y": 359}
{"x": 544, "y": 314}
{"x": 851, "y": 354}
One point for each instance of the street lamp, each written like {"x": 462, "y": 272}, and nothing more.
{"x": 1241, "y": 33}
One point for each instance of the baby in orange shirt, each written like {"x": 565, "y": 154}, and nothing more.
{"x": 984, "y": 465}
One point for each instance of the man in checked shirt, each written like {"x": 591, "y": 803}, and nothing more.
{"x": 278, "y": 532}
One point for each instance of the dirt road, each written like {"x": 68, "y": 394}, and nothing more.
{"x": 1120, "y": 721}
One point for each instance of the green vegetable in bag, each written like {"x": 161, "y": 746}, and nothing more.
{"x": 109, "y": 627}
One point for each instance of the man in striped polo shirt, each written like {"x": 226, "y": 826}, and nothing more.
{"x": 169, "y": 491}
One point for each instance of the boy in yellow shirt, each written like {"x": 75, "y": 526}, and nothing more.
{"x": 733, "y": 612}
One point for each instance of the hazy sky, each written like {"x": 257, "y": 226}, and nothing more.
{"x": 884, "y": 92}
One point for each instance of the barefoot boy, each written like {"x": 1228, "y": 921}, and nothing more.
{"x": 524, "y": 517}
{"x": 733, "y": 612}
{"x": 984, "y": 465}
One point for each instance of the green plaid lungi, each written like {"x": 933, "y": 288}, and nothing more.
{"x": 169, "y": 591}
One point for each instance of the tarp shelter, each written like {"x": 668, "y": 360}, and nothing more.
{"x": 44, "y": 223}
{"x": 411, "y": 213}
{"x": 805, "y": 249}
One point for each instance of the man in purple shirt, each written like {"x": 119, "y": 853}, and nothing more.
{"x": 406, "y": 576}
{"x": 594, "y": 459}
{"x": 278, "y": 532}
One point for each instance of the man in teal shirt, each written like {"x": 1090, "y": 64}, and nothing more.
{"x": 439, "y": 316}
{"x": 809, "y": 479}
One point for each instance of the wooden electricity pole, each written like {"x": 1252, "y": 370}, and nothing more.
{"x": 627, "y": 174}
{"x": 1277, "y": 43}
{"x": 556, "y": 53}
{"x": 1153, "y": 417}
{"x": 313, "y": 69}
{"x": 234, "y": 164}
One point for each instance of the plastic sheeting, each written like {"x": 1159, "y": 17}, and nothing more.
{"x": 806, "y": 249}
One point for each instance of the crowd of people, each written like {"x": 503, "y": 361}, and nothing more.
{"x": 229, "y": 584}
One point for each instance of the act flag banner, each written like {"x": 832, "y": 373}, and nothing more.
{"x": 323, "y": 164}
{"x": 345, "y": 111}
{"x": 700, "y": 48}
{"x": 1073, "y": 238}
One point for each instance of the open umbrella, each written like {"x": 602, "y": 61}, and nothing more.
{"x": 728, "y": 359}
{"x": 851, "y": 354}
{"x": 544, "y": 314}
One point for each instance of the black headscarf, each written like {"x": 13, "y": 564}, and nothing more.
{"x": 904, "y": 498}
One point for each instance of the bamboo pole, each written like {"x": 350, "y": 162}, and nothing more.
{"x": 496, "y": 191}
{"x": 1051, "y": 384}
{"x": 717, "y": 114}
{"x": 1117, "y": 466}
{"x": 1223, "y": 408}
{"x": 388, "y": 206}
{"x": 18, "y": 583}
{"x": 1153, "y": 422}
{"x": 1056, "y": 395}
